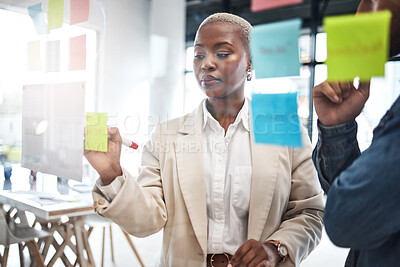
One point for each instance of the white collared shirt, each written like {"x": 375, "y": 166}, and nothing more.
{"x": 227, "y": 174}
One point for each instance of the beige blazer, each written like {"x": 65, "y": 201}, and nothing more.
{"x": 169, "y": 193}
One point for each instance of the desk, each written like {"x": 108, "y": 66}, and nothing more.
{"x": 49, "y": 213}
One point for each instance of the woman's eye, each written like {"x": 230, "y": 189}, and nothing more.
{"x": 198, "y": 56}
{"x": 222, "y": 55}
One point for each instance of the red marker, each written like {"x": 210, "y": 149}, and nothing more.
{"x": 129, "y": 143}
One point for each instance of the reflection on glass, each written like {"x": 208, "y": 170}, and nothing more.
{"x": 304, "y": 49}
{"x": 320, "y": 50}
{"x": 23, "y": 58}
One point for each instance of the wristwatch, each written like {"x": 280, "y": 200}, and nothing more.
{"x": 281, "y": 249}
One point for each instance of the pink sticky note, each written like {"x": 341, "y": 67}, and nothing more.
{"x": 259, "y": 5}
{"x": 79, "y": 11}
{"x": 77, "y": 53}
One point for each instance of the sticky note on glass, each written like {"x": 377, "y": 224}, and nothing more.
{"x": 33, "y": 56}
{"x": 358, "y": 45}
{"x": 275, "y": 49}
{"x": 55, "y": 14}
{"x": 79, "y": 11}
{"x": 96, "y": 135}
{"x": 275, "y": 119}
{"x": 38, "y": 19}
{"x": 52, "y": 56}
{"x": 259, "y": 5}
{"x": 77, "y": 53}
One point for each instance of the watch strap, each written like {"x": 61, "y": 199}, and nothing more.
{"x": 278, "y": 245}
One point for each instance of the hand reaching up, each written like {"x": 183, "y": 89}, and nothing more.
{"x": 337, "y": 103}
{"x": 107, "y": 164}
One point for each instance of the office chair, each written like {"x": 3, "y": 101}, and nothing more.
{"x": 12, "y": 233}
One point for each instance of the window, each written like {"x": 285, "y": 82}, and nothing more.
{"x": 29, "y": 58}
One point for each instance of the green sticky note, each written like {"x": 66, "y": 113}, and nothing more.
{"x": 55, "y": 14}
{"x": 96, "y": 135}
{"x": 358, "y": 45}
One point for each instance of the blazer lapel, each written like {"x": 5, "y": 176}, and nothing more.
{"x": 190, "y": 173}
{"x": 265, "y": 160}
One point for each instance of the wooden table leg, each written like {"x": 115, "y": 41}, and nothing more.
{"x": 112, "y": 245}
{"x": 21, "y": 255}
{"x": 4, "y": 258}
{"x": 34, "y": 248}
{"x": 82, "y": 243}
{"x": 133, "y": 248}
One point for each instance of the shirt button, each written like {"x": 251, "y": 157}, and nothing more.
{"x": 220, "y": 159}
{"x": 102, "y": 201}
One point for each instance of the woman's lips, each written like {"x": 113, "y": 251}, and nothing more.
{"x": 208, "y": 81}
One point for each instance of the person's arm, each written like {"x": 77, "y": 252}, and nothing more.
{"x": 337, "y": 105}
{"x": 301, "y": 223}
{"x": 336, "y": 149}
{"x": 362, "y": 206}
{"x": 301, "y": 227}
{"x": 139, "y": 206}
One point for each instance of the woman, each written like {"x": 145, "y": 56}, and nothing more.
{"x": 205, "y": 183}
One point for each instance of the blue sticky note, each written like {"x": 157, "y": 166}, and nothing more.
{"x": 275, "y": 49}
{"x": 275, "y": 119}
{"x": 38, "y": 19}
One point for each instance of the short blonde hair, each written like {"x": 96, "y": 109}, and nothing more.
{"x": 244, "y": 26}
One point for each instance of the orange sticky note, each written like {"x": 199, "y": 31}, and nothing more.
{"x": 259, "y": 5}
{"x": 79, "y": 11}
{"x": 77, "y": 53}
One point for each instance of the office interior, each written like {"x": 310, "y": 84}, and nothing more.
{"x": 139, "y": 71}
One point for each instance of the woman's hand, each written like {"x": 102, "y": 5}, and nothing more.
{"x": 107, "y": 163}
{"x": 337, "y": 103}
{"x": 255, "y": 254}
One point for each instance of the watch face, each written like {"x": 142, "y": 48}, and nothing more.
{"x": 283, "y": 251}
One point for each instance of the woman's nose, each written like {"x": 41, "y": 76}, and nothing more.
{"x": 208, "y": 63}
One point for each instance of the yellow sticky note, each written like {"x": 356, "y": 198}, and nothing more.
{"x": 55, "y": 14}
{"x": 358, "y": 45}
{"x": 33, "y": 56}
{"x": 96, "y": 136}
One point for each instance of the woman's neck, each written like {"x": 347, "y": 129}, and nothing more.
{"x": 225, "y": 110}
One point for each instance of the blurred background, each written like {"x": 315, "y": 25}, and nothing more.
{"x": 138, "y": 69}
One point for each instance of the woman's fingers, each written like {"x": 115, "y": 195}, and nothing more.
{"x": 114, "y": 135}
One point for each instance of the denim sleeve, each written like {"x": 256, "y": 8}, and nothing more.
{"x": 336, "y": 149}
{"x": 362, "y": 208}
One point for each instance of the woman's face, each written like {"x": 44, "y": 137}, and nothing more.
{"x": 220, "y": 60}
{"x": 394, "y": 7}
